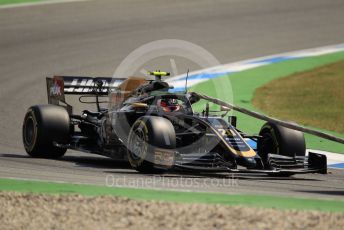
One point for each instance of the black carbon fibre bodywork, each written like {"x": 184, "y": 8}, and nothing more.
{"x": 204, "y": 142}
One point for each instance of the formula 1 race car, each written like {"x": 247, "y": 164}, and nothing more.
{"x": 157, "y": 130}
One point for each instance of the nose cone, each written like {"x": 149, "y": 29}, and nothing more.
{"x": 248, "y": 162}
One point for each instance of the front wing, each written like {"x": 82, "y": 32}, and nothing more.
{"x": 278, "y": 165}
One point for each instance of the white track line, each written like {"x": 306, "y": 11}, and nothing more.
{"x": 261, "y": 61}
{"x": 47, "y": 2}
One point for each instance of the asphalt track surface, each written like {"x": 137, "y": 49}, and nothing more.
{"x": 93, "y": 37}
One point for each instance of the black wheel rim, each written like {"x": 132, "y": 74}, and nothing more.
{"x": 266, "y": 146}
{"x": 138, "y": 145}
{"x": 29, "y": 131}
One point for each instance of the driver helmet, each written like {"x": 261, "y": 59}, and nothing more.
{"x": 169, "y": 105}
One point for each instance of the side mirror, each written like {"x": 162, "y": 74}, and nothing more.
{"x": 139, "y": 105}
{"x": 225, "y": 108}
{"x": 232, "y": 120}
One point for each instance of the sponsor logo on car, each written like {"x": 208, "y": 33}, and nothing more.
{"x": 56, "y": 89}
{"x": 84, "y": 85}
{"x": 164, "y": 157}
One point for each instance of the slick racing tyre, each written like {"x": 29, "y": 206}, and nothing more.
{"x": 43, "y": 125}
{"x": 279, "y": 140}
{"x": 151, "y": 144}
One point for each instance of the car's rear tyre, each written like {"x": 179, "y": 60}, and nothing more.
{"x": 148, "y": 135}
{"x": 43, "y": 125}
{"x": 279, "y": 140}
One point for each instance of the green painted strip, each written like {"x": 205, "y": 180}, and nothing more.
{"x": 185, "y": 197}
{"x": 6, "y": 2}
{"x": 246, "y": 82}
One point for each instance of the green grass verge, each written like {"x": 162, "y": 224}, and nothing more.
{"x": 244, "y": 83}
{"x": 184, "y": 197}
{"x": 6, "y": 2}
{"x": 313, "y": 97}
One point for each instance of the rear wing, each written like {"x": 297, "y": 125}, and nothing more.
{"x": 59, "y": 86}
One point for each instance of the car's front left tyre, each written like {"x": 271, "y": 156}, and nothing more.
{"x": 151, "y": 144}
{"x": 43, "y": 125}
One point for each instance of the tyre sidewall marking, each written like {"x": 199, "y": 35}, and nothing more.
{"x": 142, "y": 125}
